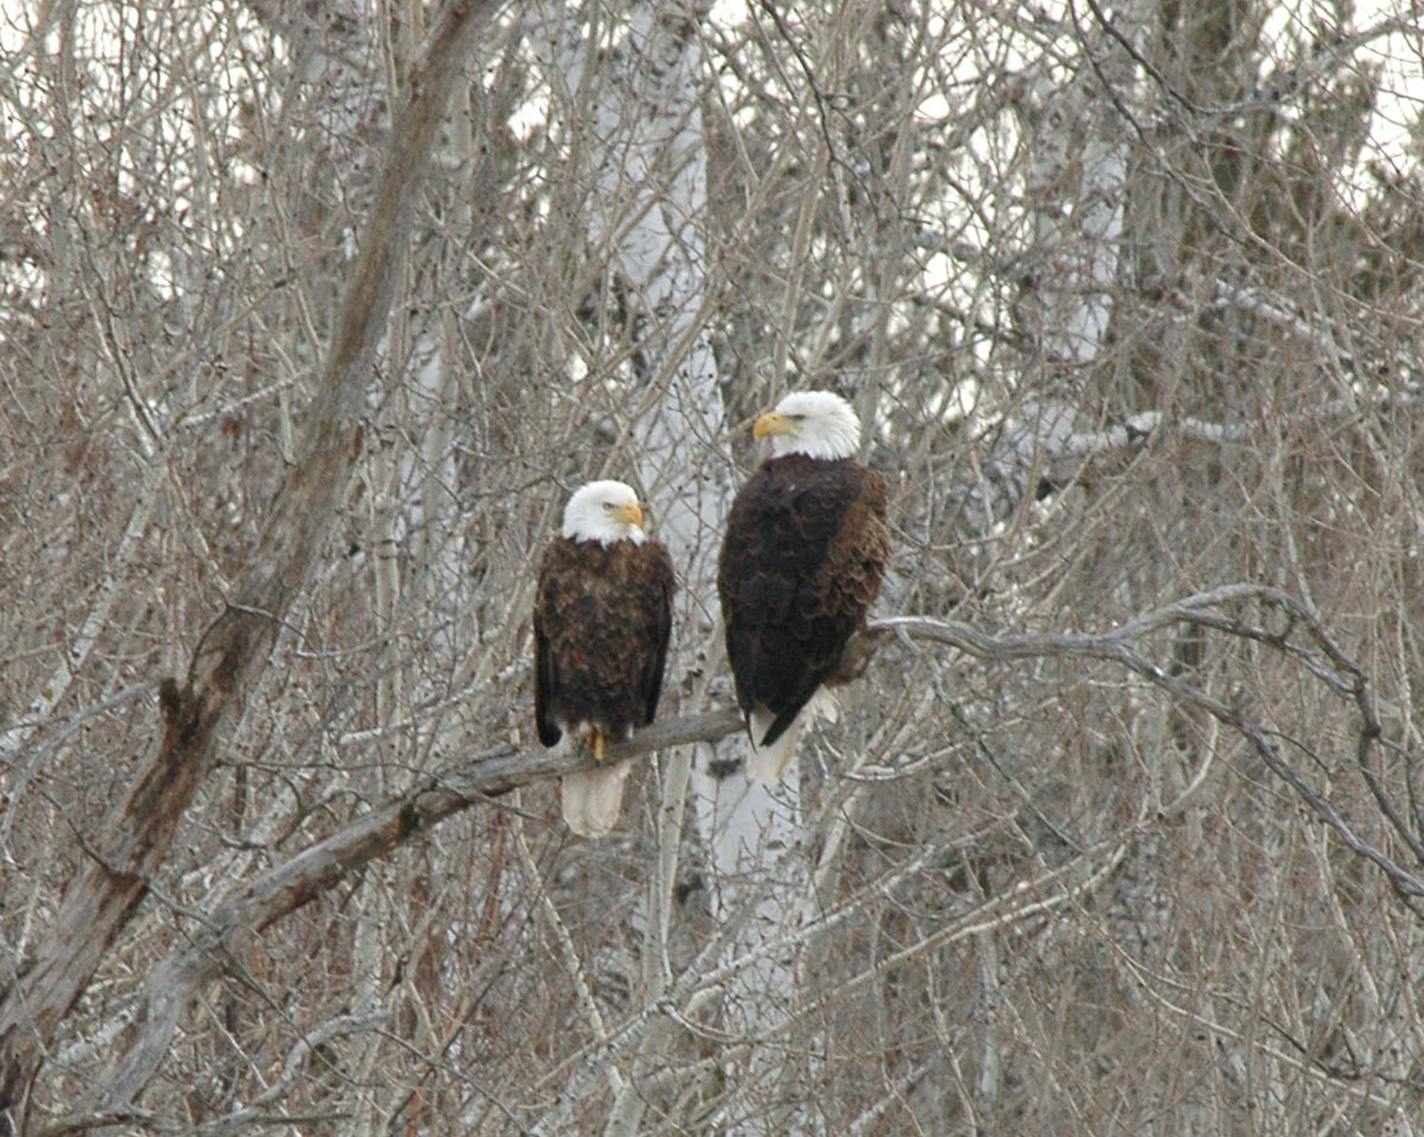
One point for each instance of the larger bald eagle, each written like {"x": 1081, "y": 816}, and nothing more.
{"x": 802, "y": 559}
{"x": 602, "y": 617}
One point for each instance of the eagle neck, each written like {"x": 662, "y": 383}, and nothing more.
{"x": 611, "y": 540}
{"x": 832, "y": 448}
{"x": 792, "y": 463}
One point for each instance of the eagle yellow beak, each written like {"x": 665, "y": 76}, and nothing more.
{"x": 771, "y": 423}
{"x": 632, "y": 513}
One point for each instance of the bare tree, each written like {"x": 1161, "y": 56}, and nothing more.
{"x": 1117, "y": 834}
{"x": 233, "y": 653}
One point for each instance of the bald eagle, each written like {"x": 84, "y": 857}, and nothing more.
{"x": 802, "y": 559}
{"x": 602, "y": 617}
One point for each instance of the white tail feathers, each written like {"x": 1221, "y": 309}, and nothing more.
{"x": 592, "y": 799}
{"x": 824, "y": 705}
{"x": 767, "y": 764}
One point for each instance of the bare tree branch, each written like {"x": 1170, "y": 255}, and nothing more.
{"x": 288, "y": 886}
{"x": 1116, "y": 345}
{"x": 233, "y": 652}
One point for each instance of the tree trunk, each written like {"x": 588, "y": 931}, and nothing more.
{"x": 233, "y": 652}
{"x": 652, "y": 208}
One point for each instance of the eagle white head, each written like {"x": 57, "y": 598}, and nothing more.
{"x": 604, "y": 512}
{"x": 818, "y": 424}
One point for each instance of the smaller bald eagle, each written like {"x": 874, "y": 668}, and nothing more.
{"x": 602, "y": 618}
{"x": 805, "y": 549}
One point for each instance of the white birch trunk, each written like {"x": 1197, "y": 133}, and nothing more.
{"x": 1077, "y": 181}
{"x": 1082, "y": 245}
{"x": 651, "y": 166}
{"x": 417, "y": 544}
{"x": 387, "y": 528}
{"x": 76, "y": 653}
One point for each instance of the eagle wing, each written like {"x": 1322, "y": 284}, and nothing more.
{"x": 602, "y": 624}
{"x": 659, "y": 589}
{"x": 856, "y": 555}
{"x": 805, "y": 549}
{"x": 546, "y": 675}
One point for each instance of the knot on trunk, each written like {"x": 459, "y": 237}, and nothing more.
{"x": 181, "y": 710}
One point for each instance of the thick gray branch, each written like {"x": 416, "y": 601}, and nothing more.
{"x": 288, "y": 886}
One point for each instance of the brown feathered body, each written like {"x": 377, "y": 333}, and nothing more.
{"x": 602, "y": 617}
{"x": 802, "y": 559}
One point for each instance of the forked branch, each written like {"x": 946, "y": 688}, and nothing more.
{"x": 486, "y": 776}
{"x": 232, "y": 654}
